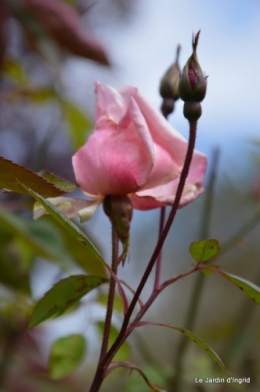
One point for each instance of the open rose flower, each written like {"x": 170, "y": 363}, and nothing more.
{"x": 132, "y": 151}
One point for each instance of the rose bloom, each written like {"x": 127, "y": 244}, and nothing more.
{"x": 132, "y": 151}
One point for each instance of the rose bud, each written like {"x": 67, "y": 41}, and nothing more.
{"x": 170, "y": 80}
{"x": 193, "y": 82}
{"x": 119, "y": 210}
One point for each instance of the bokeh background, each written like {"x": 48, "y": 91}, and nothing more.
{"x": 47, "y": 110}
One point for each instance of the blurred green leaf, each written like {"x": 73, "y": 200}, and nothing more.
{"x": 91, "y": 254}
{"x": 154, "y": 373}
{"x": 14, "y": 70}
{"x": 62, "y": 296}
{"x": 66, "y": 355}
{"x": 208, "y": 272}
{"x": 131, "y": 366}
{"x": 79, "y": 124}
{"x": 118, "y": 304}
{"x": 35, "y": 238}
{"x": 37, "y": 95}
{"x": 123, "y": 354}
{"x": 249, "y": 288}
{"x": 191, "y": 336}
{"x": 13, "y": 275}
{"x": 59, "y": 182}
{"x": 76, "y": 250}
{"x": 202, "y": 345}
{"x": 12, "y": 174}
{"x": 204, "y": 250}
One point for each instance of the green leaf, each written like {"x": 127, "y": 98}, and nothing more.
{"x": 158, "y": 375}
{"x": 91, "y": 253}
{"x": 208, "y": 272}
{"x": 39, "y": 95}
{"x": 130, "y": 366}
{"x": 79, "y": 124}
{"x": 66, "y": 355}
{"x": 249, "y": 288}
{"x": 76, "y": 249}
{"x": 62, "y": 296}
{"x": 191, "y": 336}
{"x": 65, "y": 185}
{"x": 13, "y": 275}
{"x": 204, "y": 250}
{"x": 35, "y": 238}
{"x": 123, "y": 354}
{"x": 15, "y": 71}
{"x": 118, "y": 304}
{"x": 13, "y": 174}
{"x": 204, "y": 346}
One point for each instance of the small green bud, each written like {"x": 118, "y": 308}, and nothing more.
{"x": 193, "y": 82}
{"x": 170, "y": 80}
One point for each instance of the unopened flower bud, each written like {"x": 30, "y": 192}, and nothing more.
{"x": 167, "y": 106}
{"x": 193, "y": 82}
{"x": 170, "y": 80}
{"x": 119, "y": 209}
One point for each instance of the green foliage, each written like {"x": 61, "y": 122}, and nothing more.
{"x": 35, "y": 238}
{"x": 14, "y": 70}
{"x": 118, "y": 304}
{"x": 249, "y": 288}
{"x": 204, "y": 250}
{"x": 16, "y": 277}
{"x": 202, "y": 345}
{"x": 92, "y": 255}
{"x": 59, "y": 182}
{"x": 152, "y": 373}
{"x": 131, "y": 366}
{"x": 191, "y": 336}
{"x": 12, "y": 174}
{"x": 79, "y": 125}
{"x": 62, "y": 296}
{"x": 123, "y": 354}
{"x": 66, "y": 355}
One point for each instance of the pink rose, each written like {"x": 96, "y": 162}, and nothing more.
{"x": 134, "y": 151}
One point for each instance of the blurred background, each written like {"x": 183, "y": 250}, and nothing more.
{"x": 51, "y": 53}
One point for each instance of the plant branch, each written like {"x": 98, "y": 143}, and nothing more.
{"x": 100, "y": 373}
{"x": 187, "y": 162}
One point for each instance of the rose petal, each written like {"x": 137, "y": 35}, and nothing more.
{"x": 116, "y": 161}
{"x": 109, "y": 105}
{"x": 165, "y": 194}
{"x": 170, "y": 145}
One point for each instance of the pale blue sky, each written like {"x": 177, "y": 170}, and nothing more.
{"x": 228, "y": 52}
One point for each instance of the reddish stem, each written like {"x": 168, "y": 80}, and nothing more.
{"x": 100, "y": 374}
{"x": 121, "y": 336}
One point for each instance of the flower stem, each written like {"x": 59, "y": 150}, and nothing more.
{"x": 100, "y": 373}
{"x": 162, "y": 211}
{"x": 187, "y": 162}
